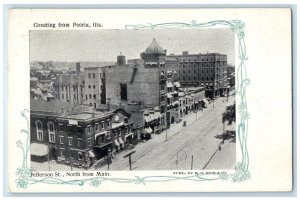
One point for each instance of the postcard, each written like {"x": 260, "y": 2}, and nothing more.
{"x": 149, "y": 100}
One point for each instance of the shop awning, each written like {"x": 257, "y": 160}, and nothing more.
{"x": 97, "y": 134}
{"x": 38, "y": 149}
{"x": 148, "y": 130}
{"x": 169, "y": 84}
{"x": 158, "y": 115}
{"x": 205, "y": 101}
{"x": 91, "y": 154}
{"x": 116, "y": 143}
{"x": 147, "y": 118}
{"x": 121, "y": 141}
{"x": 175, "y": 103}
{"x": 177, "y": 84}
{"x": 181, "y": 93}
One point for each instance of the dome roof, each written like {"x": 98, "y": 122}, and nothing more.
{"x": 154, "y": 47}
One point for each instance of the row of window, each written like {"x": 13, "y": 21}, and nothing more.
{"x": 203, "y": 71}
{"x": 94, "y": 75}
{"x": 74, "y": 88}
{"x": 217, "y": 58}
{"x": 94, "y": 86}
{"x": 67, "y": 96}
{"x": 90, "y": 96}
{"x": 189, "y": 78}
{"x": 212, "y": 64}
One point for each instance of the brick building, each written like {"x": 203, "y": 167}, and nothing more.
{"x": 77, "y": 135}
{"x": 143, "y": 81}
{"x": 69, "y": 87}
{"x": 95, "y": 93}
{"x": 206, "y": 70}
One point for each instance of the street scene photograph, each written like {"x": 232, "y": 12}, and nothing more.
{"x": 132, "y": 100}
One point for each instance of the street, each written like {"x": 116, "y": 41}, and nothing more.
{"x": 200, "y": 139}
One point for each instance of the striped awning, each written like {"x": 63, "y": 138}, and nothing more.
{"x": 116, "y": 143}
{"x": 169, "y": 84}
{"x": 177, "y": 84}
{"x": 121, "y": 141}
{"x": 148, "y": 130}
{"x": 38, "y": 149}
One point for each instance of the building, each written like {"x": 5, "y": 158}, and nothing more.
{"x": 68, "y": 131}
{"x": 142, "y": 81}
{"x": 206, "y": 70}
{"x": 69, "y": 87}
{"x": 94, "y": 90}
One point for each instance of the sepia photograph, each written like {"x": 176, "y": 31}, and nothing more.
{"x": 131, "y": 100}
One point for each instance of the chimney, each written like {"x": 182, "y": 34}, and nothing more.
{"x": 185, "y": 52}
{"x": 78, "y": 67}
{"x": 121, "y": 60}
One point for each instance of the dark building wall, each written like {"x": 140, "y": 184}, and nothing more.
{"x": 144, "y": 88}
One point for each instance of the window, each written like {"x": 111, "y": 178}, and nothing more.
{"x": 94, "y": 86}
{"x": 89, "y": 141}
{"x": 74, "y": 89}
{"x": 86, "y": 96}
{"x": 100, "y": 75}
{"x": 74, "y": 96}
{"x": 123, "y": 91}
{"x": 61, "y": 139}
{"x": 94, "y": 96}
{"x": 51, "y": 131}
{"x": 89, "y": 129}
{"x": 108, "y": 135}
{"x": 102, "y": 125}
{"x": 62, "y": 152}
{"x": 183, "y": 71}
{"x": 94, "y": 105}
{"x": 60, "y": 127}
{"x": 93, "y": 75}
{"x": 62, "y": 96}
{"x": 80, "y": 156}
{"x": 39, "y": 130}
{"x": 89, "y": 86}
{"x": 90, "y": 96}
{"x": 79, "y": 142}
{"x": 70, "y": 141}
{"x": 67, "y": 96}
{"x": 89, "y": 75}
{"x": 107, "y": 123}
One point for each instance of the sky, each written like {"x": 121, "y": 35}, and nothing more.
{"x": 106, "y": 45}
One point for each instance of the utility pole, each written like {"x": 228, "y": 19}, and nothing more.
{"x": 71, "y": 161}
{"x": 48, "y": 157}
{"x": 192, "y": 162}
{"x": 129, "y": 157}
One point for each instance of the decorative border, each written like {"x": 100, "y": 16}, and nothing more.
{"x": 241, "y": 169}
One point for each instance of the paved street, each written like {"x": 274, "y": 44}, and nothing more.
{"x": 200, "y": 138}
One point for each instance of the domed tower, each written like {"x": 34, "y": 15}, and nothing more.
{"x": 154, "y": 55}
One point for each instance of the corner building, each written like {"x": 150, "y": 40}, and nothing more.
{"x": 205, "y": 70}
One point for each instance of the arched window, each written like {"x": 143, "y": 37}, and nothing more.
{"x": 39, "y": 130}
{"x": 51, "y": 131}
